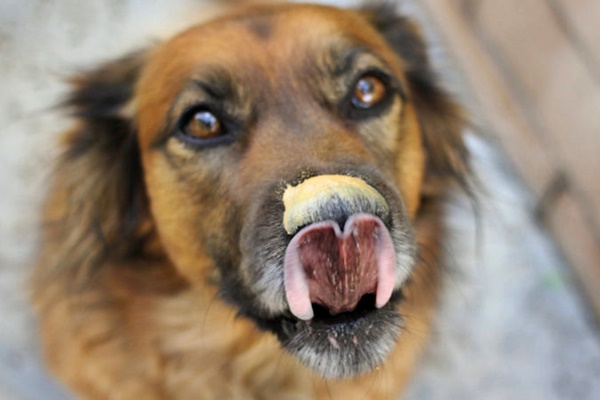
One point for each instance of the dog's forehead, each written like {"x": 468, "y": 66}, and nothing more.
{"x": 282, "y": 23}
{"x": 267, "y": 37}
{"x": 257, "y": 46}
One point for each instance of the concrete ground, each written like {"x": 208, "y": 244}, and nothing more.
{"x": 512, "y": 324}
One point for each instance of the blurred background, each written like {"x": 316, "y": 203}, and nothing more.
{"x": 521, "y": 305}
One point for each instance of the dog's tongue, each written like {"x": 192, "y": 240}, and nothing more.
{"x": 334, "y": 269}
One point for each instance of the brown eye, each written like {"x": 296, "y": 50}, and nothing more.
{"x": 368, "y": 92}
{"x": 203, "y": 125}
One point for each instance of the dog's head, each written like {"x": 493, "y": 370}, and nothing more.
{"x": 280, "y": 153}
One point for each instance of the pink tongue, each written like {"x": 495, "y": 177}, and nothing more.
{"x": 335, "y": 269}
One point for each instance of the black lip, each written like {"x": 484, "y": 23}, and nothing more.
{"x": 285, "y": 325}
{"x": 341, "y": 346}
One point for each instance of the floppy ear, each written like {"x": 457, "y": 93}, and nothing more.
{"x": 441, "y": 119}
{"x": 97, "y": 208}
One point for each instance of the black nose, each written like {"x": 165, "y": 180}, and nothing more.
{"x": 330, "y": 198}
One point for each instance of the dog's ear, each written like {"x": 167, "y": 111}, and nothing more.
{"x": 97, "y": 207}
{"x": 441, "y": 118}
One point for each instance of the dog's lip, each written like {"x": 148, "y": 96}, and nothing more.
{"x": 270, "y": 320}
{"x": 345, "y": 345}
{"x": 286, "y": 325}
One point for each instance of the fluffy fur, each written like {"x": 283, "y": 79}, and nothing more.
{"x": 160, "y": 275}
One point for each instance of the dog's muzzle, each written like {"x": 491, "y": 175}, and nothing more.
{"x": 341, "y": 249}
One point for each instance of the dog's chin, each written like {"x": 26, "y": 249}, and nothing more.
{"x": 344, "y": 345}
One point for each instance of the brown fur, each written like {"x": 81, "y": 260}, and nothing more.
{"x": 126, "y": 291}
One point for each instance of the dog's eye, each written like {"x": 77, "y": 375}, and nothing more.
{"x": 370, "y": 95}
{"x": 203, "y": 125}
{"x": 368, "y": 92}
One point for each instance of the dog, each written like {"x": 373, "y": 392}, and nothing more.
{"x": 251, "y": 210}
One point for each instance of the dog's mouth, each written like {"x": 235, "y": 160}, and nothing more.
{"x": 338, "y": 283}
{"x": 333, "y": 268}
{"x": 342, "y": 345}
{"x": 339, "y": 273}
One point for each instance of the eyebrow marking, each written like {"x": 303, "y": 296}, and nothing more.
{"x": 218, "y": 85}
{"x": 260, "y": 27}
{"x": 347, "y": 63}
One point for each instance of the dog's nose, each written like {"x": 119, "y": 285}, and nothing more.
{"x": 335, "y": 264}
{"x": 329, "y": 197}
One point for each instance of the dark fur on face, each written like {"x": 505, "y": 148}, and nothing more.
{"x": 441, "y": 119}
{"x": 136, "y": 196}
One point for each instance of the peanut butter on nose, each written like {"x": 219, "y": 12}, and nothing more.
{"x": 303, "y": 202}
